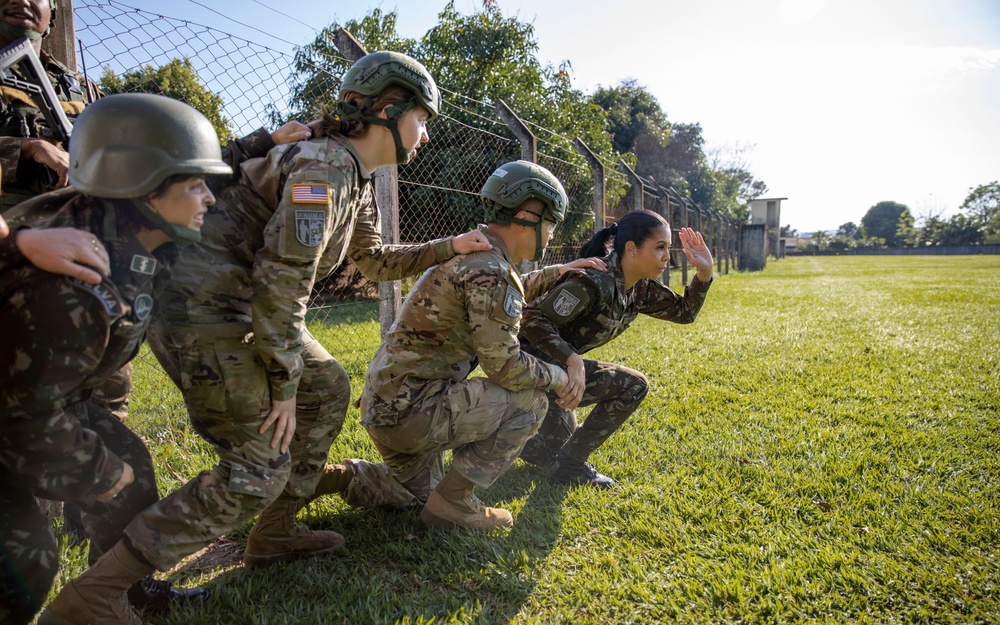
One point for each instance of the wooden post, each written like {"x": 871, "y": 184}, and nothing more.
{"x": 61, "y": 42}
{"x": 386, "y": 197}
{"x": 529, "y": 151}
{"x": 599, "y": 194}
{"x": 636, "y": 183}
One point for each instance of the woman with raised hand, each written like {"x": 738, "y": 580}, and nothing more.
{"x": 588, "y": 309}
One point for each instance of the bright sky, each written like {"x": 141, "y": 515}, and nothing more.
{"x": 846, "y": 102}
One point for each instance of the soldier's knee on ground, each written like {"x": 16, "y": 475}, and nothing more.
{"x": 373, "y": 485}
{"x": 636, "y": 390}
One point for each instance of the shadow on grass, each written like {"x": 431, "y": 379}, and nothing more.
{"x": 395, "y": 569}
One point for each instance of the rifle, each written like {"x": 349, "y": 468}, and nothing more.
{"x": 34, "y": 81}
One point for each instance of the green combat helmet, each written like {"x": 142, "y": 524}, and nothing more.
{"x": 511, "y": 184}
{"x": 124, "y": 146}
{"x": 371, "y": 74}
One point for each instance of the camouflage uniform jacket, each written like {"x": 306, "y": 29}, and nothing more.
{"x": 291, "y": 220}
{"x": 461, "y": 313}
{"x": 62, "y": 338}
{"x": 20, "y": 119}
{"x": 588, "y": 309}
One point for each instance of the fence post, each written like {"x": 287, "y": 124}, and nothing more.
{"x": 387, "y": 196}
{"x": 529, "y": 151}
{"x": 636, "y": 183}
{"x": 61, "y": 42}
{"x": 718, "y": 242}
{"x": 599, "y": 194}
{"x": 665, "y": 197}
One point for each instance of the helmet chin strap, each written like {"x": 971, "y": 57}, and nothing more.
{"x": 391, "y": 121}
{"x": 181, "y": 235}
{"x": 537, "y": 226}
{"x": 14, "y": 33}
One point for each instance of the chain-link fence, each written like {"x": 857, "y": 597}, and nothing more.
{"x": 437, "y": 192}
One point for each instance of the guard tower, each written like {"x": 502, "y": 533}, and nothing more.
{"x": 767, "y": 212}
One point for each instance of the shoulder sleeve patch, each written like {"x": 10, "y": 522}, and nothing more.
{"x": 113, "y": 304}
{"x": 310, "y": 194}
{"x": 567, "y": 301}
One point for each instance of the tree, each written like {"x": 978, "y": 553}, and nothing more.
{"x": 882, "y": 221}
{"x": 319, "y": 66}
{"x": 789, "y": 231}
{"x": 906, "y": 234}
{"x": 177, "y": 79}
{"x": 982, "y": 205}
{"x": 958, "y": 230}
{"x": 849, "y": 230}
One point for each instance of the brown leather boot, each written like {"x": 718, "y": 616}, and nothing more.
{"x": 98, "y": 596}
{"x": 277, "y": 537}
{"x": 454, "y": 504}
{"x": 334, "y": 480}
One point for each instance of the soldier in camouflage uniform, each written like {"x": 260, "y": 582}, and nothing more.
{"x": 231, "y": 331}
{"x": 31, "y": 158}
{"x": 418, "y": 400}
{"x": 588, "y": 309}
{"x": 63, "y": 336}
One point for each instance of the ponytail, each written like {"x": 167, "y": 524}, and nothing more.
{"x": 597, "y": 245}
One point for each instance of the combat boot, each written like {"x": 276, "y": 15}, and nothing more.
{"x": 453, "y": 504}
{"x": 575, "y": 473}
{"x": 277, "y": 537}
{"x": 335, "y": 479}
{"x": 156, "y": 595}
{"x": 98, "y": 596}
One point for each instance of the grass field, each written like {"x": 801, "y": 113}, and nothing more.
{"x": 822, "y": 445}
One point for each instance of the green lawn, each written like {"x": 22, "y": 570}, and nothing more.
{"x": 823, "y": 444}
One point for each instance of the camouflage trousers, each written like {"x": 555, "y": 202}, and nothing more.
{"x": 29, "y": 557}
{"x": 483, "y": 423}
{"x": 112, "y": 395}
{"x": 225, "y": 388}
{"x": 613, "y": 390}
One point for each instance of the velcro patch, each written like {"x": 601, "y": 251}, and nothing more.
{"x": 310, "y": 226}
{"x": 142, "y": 306}
{"x": 565, "y": 303}
{"x": 512, "y": 302}
{"x": 109, "y": 299}
{"x": 143, "y": 264}
{"x": 310, "y": 194}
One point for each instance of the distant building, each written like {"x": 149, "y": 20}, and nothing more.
{"x": 767, "y": 212}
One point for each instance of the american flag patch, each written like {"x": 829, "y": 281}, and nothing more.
{"x": 310, "y": 194}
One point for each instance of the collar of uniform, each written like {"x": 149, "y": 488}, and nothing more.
{"x": 614, "y": 263}
{"x": 363, "y": 172}
{"x": 496, "y": 242}
{"x": 123, "y": 244}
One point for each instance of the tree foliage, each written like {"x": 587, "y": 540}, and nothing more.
{"x": 882, "y": 221}
{"x": 485, "y": 56}
{"x": 982, "y": 205}
{"x": 177, "y": 79}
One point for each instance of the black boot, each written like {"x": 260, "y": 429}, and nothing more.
{"x": 573, "y": 472}
{"x": 153, "y": 594}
